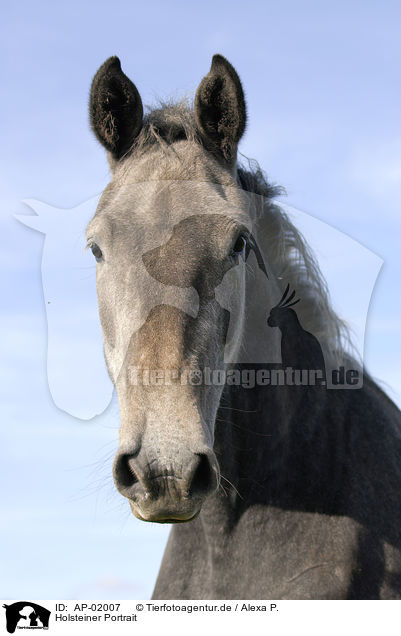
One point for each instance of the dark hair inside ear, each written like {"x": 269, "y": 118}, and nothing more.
{"x": 220, "y": 109}
{"x": 116, "y": 110}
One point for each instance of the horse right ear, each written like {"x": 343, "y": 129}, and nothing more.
{"x": 115, "y": 108}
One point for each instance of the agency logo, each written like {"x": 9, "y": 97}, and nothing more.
{"x": 26, "y": 615}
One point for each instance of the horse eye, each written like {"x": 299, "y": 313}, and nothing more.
{"x": 238, "y": 249}
{"x": 240, "y": 244}
{"x": 96, "y": 251}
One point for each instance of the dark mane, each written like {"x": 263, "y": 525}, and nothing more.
{"x": 253, "y": 179}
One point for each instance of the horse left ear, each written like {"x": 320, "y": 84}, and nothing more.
{"x": 220, "y": 109}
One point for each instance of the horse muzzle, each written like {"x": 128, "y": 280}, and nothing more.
{"x": 157, "y": 492}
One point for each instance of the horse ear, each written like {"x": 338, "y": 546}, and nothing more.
{"x": 115, "y": 108}
{"x": 220, "y": 108}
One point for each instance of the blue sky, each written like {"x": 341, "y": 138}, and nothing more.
{"x": 323, "y": 88}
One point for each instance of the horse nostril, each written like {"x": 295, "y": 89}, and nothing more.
{"x": 203, "y": 478}
{"x": 124, "y": 473}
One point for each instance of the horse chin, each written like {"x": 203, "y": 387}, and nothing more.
{"x": 164, "y": 515}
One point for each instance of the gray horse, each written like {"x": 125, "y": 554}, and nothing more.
{"x": 287, "y": 491}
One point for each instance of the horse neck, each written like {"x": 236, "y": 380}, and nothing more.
{"x": 268, "y": 438}
{"x": 276, "y": 446}
{"x": 253, "y": 427}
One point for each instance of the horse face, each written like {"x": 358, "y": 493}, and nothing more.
{"x": 164, "y": 237}
{"x": 163, "y": 330}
